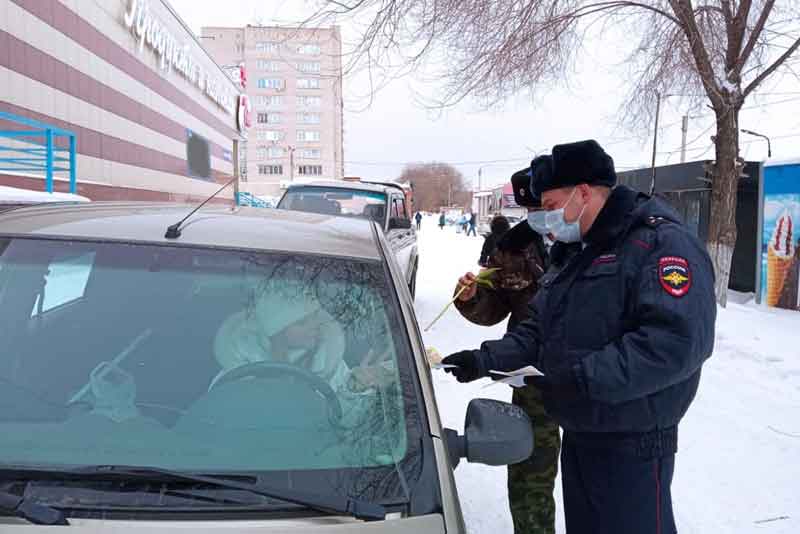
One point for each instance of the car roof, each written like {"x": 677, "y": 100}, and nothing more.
{"x": 338, "y": 184}
{"x": 215, "y": 225}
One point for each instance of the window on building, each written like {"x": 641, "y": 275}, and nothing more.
{"x": 309, "y": 170}
{"x": 269, "y": 135}
{"x": 270, "y": 170}
{"x": 276, "y": 152}
{"x": 261, "y": 154}
{"x": 269, "y": 118}
{"x": 270, "y": 83}
{"x": 271, "y": 66}
{"x": 308, "y": 49}
{"x": 198, "y": 156}
{"x": 309, "y": 101}
{"x": 307, "y": 135}
{"x": 269, "y": 101}
{"x": 308, "y": 118}
{"x": 309, "y": 153}
{"x": 308, "y": 83}
{"x": 308, "y": 66}
{"x": 268, "y": 47}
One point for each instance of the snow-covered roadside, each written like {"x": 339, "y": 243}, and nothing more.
{"x": 739, "y": 457}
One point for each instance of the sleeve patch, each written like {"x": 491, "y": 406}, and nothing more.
{"x": 674, "y": 275}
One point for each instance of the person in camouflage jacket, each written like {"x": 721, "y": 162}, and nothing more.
{"x": 521, "y": 257}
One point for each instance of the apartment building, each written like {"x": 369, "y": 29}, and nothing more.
{"x": 294, "y": 84}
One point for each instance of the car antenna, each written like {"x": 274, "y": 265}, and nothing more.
{"x": 174, "y": 231}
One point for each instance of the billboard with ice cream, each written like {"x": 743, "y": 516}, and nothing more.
{"x": 780, "y": 251}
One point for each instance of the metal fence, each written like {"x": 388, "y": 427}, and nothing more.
{"x": 37, "y": 147}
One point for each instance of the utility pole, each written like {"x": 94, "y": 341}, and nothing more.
{"x": 291, "y": 163}
{"x": 684, "y": 130}
{"x": 236, "y": 172}
{"x": 655, "y": 140}
{"x": 449, "y": 195}
{"x": 480, "y": 172}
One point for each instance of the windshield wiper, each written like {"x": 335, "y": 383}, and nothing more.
{"x": 329, "y": 504}
{"x": 38, "y": 514}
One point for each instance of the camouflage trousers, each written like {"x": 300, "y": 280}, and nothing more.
{"x": 531, "y": 483}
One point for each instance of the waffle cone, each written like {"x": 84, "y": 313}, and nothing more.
{"x": 777, "y": 270}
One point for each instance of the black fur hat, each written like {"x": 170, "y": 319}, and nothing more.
{"x": 583, "y": 162}
{"x": 499, "y": 225}
{"x": 524, "y": 182}
{"x": 521, "y": 182}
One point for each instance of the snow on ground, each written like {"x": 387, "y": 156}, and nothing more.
{"x": 738, "y": 464}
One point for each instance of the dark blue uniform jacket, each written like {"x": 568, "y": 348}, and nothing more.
{"x": 630, "y": 319}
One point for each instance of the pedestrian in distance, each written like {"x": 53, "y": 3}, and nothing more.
{"x": 497, "y": 228}
{"x": 520, "y": 256}
{"x": 462, "y": 224}
{"x": 441, "y": 221}
{"x": 473, "y": 221}
{"x": 620, "y": 333}
{"x": 418, "y": 218}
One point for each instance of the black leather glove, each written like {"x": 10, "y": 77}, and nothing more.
{"x": 517, "y": 239}
{"x": 466, "y": 362}
{"x": 561, "y": 386}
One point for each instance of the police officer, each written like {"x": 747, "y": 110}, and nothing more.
{"x": 522, "y": 260}
{"x": 620, "y": 333}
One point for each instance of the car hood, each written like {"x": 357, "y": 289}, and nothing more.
{"x": 429, "y": 524}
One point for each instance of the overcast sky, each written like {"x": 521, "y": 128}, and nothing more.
{"x": 395, "y": 129}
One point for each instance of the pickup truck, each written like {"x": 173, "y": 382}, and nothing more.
{"x": 383, "y": 203}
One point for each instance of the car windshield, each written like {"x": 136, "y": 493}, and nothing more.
{"x": 336, "y": 201}
{"x": 292, "y": 367}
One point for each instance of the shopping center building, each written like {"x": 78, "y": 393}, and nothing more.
{"x": 153, "y": 116}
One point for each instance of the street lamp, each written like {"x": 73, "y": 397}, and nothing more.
{"x": 756, "y": 134}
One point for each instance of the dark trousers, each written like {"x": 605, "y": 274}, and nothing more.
{"x": 471, "y": 230}
{"x": 611, "y": 489}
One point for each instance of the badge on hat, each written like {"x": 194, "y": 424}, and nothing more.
{"x": 674, "y": 275}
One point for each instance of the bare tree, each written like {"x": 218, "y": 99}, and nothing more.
{"x": 715, "y": 53}
{"x": 435, "y": 185}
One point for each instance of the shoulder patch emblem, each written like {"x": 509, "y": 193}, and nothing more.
{"x": 674, "y": 275}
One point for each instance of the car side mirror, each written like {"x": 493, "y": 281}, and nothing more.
{"x": 495, "y": 433}
{"x": 396, "y": 223}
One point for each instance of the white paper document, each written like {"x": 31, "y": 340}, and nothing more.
{"x": 515, "y": 379}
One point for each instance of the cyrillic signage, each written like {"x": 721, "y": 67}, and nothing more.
{"x": 174, "y": 54}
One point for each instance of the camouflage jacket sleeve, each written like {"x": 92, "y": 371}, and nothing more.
{"x": 486, "y": 308}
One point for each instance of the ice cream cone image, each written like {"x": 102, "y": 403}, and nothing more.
{"x": 780, "y": 253}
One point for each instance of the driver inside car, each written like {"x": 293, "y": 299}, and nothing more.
{"x": 293, "y": 329}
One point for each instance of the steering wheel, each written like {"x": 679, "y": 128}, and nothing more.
{"x": 270, "y": 369}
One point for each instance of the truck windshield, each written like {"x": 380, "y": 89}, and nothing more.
{"x": 295, "y": 368}
{"x": 336, "y": 201}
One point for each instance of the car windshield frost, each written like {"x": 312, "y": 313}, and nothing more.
{"x": 213, "y": 361}
{"x": 336, "y": 201}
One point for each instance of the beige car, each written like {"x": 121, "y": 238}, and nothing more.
{"x": 255, "y": 371}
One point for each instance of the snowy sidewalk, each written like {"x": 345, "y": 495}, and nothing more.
{"x": 738, "y": 464}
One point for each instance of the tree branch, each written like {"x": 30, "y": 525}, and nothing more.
{"x": 772, "y": 68}
{"x": 685, "y": 13}
{"x": 756, "y": 33}
{"x": 736, "y": 26}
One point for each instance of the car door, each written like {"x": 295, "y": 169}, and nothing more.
{"x": 401, "y": 236}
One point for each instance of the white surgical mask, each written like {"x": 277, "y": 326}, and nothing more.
{"x": 566, "y": 232}
{"x": 536, "y": 221}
